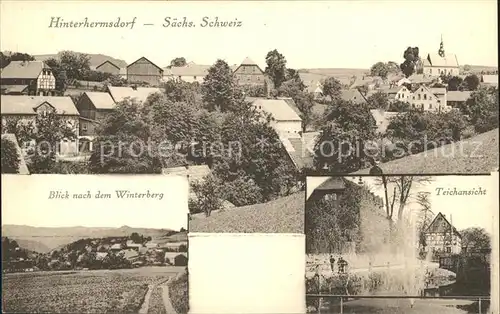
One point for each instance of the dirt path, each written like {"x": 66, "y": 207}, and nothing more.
{"x": 166, "y": 298}
{"x": 145, "y": 304}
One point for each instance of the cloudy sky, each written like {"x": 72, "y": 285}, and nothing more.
{"x": 466, "y": 211}
{"x": 25, "y": 201}
{"x": 340, "y": 34}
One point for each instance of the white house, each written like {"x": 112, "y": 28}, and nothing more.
{"x": 191, "y": 72}
{"x": 441, "y": 63}
{"x": 286, "y": 121}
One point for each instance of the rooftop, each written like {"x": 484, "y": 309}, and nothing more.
{"x": 23, "y": 69}
{"x": 101, "y": 100}
{"x": 26, "y": 105}
{"x": 278, "y": 108}
{"x": 140, "y": 94}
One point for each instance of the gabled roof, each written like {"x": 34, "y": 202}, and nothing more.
{"x": 14, "y": 88}
{"x": 22, "y": 168}
{"x": 26, "y": 105}
{"x": 438, "y": 90}
{"x": 301, "y": 155}
{"x": 107, "y": 61}
{"x": 278, "y": 108}
{"x": 23, "y": 70}
{"x": 248, "y": 61}
{"x": 139, "y": 94}
{"x": 333, "y": 183}
{"x": 459, "y": 96}
{"x": 435, "y": 60}
{"x": 101, "y": 100}
{"x": 190, "y": 69}
{"x": 441, "y": 225}
{"x": 352, "y": 95}
{"x": 144, "y": 58}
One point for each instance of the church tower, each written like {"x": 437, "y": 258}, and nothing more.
{"x": 441, "y": 48}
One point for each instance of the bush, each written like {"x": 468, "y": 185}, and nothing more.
{"x": 10, "y": 157}
{"x": 180, "y": 260}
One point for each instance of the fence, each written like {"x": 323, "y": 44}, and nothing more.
{"x": 342, "y": 297}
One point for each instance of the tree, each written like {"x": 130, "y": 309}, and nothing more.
{"x": 305, "y": 103}
{"x": 379, "y": 69}
{"x": 399, "y": 106}
{"x": 75, "y": 64}
{"x": 482, "y": 109}
{"x": 411, "y": 61}
{"x": 136, "y": 238}
{"x": 276, "y": 67}
{"x": 467, "y": 68}
{"x": 208, "y": 196}
{"x": 344, "y": 137}
{"x": 332, "y": 87}
{"x": 471, "y": 82}
{"x": 50, "y": 129}
{"x": 219, "y": 89}
{"x": 475, "y": 239}
{"x": 178, "y": 62}
{"x": 379, "y": 100}
{"x": 454, "y": 82}
{"x": 242, "y": 191}
{"x": 180, "y": 91}
{"x": 10, "y": 157}
{"x": 5, "y": 59}
{"x": 425, "y": 215}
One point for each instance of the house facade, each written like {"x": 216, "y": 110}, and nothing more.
{"x": 144, "y": 71}
{"x": 26, "y": 108}
{"x": 424, "y": 99}
{"x": 93, "y": 107}
{"x": 27, "y": 78}
{"x": 286, "y": 121}
{"x": 249, "y": 73}
{"x": 108, "y": 67}
{"x": 190, "y": 73}
{"x": 442, "y": 237}
{"x": 441, "y": 63}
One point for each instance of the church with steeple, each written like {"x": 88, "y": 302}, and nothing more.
{"x": 441, "y": 63}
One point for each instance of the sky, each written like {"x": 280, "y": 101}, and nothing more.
{"x": 465, "y": 211}
{"x": 310, "y": 34}
{"x": 26, "y": 201}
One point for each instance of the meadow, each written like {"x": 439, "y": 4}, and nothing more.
{"x": 99, "y": 291}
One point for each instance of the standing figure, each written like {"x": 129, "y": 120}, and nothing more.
{"x": 332, "y": 262}
{"x": 342, "y": 265}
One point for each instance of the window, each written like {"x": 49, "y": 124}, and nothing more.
{"x": 84, "y": 126}
{"x": 258, "y": 78}
{"x": 413, "y": 105}
{"x": 331, "y": 197}
{"x": 448, "y": 249}
{"x": 425, "y": 96}
{"x": 430, "y": 106}
{"x": 419, "y": 97}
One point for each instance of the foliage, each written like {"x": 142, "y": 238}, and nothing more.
{"x": 331, "y": 223}
{"x": 475, "y": 239}
{"x": 471, "y": 82}
{"x": 220, "y": 92}
{"x": 178, "y": 62}
{"x": 180, "y": 260}
{"x": 482, "y": 109}
{"x": 399, "y": 106}
{"x": 408, "y": 67}
{"x": 208, "y": 196}
{"x": 347, "y": 130}
{"x": 425, "y": 215}
{"x": 180, "y": 91}
{"x": 378, "y": 100}
{"x": 276, "y": 67}
{"x": 454, "y": 82}
{"x": 380, "y": 69}
{"x": 10, "y": 157}
{"x": 5, "y": 59}
{"x": 332, "y": 87}
{"x": 254, "y": 90}
{"x": 305, "y": 103}
{"x": 179, "y": 294}
{"x": 242, "y": 191}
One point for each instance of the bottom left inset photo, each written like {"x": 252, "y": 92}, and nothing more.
{"x": 102, "y": 264}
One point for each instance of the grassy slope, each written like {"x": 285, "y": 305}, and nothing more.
{"x": 178, "y": 292}
{"x": 284, "y": 215}
{"x": 478, "y": 154}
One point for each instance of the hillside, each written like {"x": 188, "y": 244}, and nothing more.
{"x": 32, "y": 245}
{"x": 47, "y": 238}
{"x": 95, "y": 59}
{"x": 336, "y": 72}
{"x": 479, "y": 68}
{"x": 284, "y": 215}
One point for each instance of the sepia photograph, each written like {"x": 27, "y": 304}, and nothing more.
{"x": 401, "y": 244}
{"x": 240, "y": 106}
{"x": 93, "y": 255}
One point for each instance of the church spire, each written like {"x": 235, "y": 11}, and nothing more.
{"x": 441, "y": 48}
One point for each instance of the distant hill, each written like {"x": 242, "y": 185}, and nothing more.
{"x": 31, "y": 245}
{"x": 336, "y": 72}
{"x": 95, "y": 59}
{"x": 46, "y": 238}
{"x": 480, "y": 68}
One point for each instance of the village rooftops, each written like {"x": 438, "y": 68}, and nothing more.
{"x": 278, "y": 108}
{"x": 458, "y": 96}
{"x": 140, "y": 94}
{"x": 23, "y": 70}
{"x": 190, "y": 69}
{"x": 101, "y": 100}
{"x": 27, "y": 105}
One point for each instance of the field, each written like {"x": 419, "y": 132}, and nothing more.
{"x": 100, "y": 291}
{"x": 284, "y": 215}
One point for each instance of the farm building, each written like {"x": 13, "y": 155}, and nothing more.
{"x": 174, "y": 258}
{"x": 491, "y": 80}
{"x": 139, "y": 94}
{"x": 191, "y": 72}
{"x": 27, "y": 78}
{"x": 249, "y": 73}
{"x": 108, "y": 67}
{"x": 455, "y": 98}
{"x": 26, "y": 108}
{"x": 93, "y": 106}
{"x": 442, "y": 236}
{"x": 286, "y": 123}
{"x": 144, "y": 71}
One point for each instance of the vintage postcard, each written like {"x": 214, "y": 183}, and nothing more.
{"x": 94, "y": 244}
{"x": 401, "y": 244}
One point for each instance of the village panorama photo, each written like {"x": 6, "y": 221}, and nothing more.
{"x": 401, "y": 244}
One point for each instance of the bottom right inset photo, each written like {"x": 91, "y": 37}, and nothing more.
{"x": 401, "y": 244}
